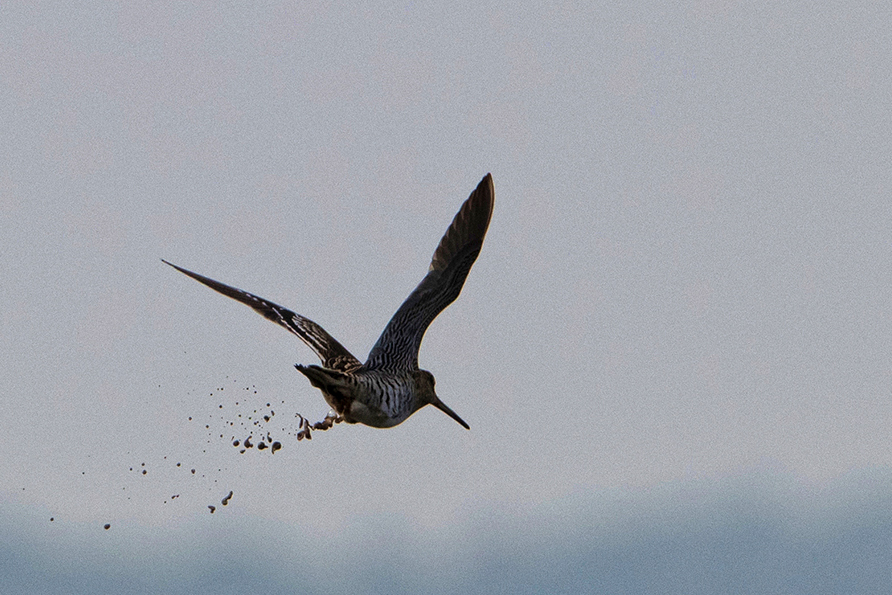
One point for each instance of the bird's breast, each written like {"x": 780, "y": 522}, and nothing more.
{"x": 382, "y": 400}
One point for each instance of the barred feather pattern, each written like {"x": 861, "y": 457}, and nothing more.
{"x": 389, "y": 387}
{"x": 397, "y": 348}
{"x": 386, "y": 399}
{"x": 394, "y": 394}
{"x": 332, "y": 354}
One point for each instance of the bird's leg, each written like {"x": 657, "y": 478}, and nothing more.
{"x": 304, "y": 431}
{"x": 330, "y": 420}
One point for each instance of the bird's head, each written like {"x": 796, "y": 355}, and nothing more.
{"x": 424, "y": 387}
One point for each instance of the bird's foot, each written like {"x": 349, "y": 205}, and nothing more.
{"x": 330, "y": 420}
{"x": 304, "y": 431}
{"x": 305, "y": 427}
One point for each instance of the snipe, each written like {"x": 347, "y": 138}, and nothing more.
{"x": 389, "y": 386}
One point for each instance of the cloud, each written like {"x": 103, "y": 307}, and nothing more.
{"x": 762, "y": 532}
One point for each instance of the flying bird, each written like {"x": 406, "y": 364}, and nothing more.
{"x": 389, "y": 387}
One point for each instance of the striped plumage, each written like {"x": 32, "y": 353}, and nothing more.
{"x": 389, "y": 387}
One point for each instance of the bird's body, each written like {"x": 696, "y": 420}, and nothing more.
{"x": 372, "y": 397}
{"x": 389, "y": 387}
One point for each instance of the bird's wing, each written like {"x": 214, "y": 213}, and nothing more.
{"x": 332, "y": 353}
{"x": 397, "y": 348}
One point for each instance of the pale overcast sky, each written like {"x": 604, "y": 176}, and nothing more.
{"x": 673, "y": 350}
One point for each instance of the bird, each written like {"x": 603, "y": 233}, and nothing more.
{"x": 389, "y": 387}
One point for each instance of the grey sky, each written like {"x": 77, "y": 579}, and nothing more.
{"x": 680, "y": 318}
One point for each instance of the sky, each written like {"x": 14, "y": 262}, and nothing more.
{"x": 672, "y": 351}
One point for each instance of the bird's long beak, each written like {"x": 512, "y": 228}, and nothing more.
{"x": 442, "y": 407}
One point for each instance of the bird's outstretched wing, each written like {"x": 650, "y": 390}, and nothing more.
{"x": 332, "y": 353}
{"x": 397, "y": 348}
